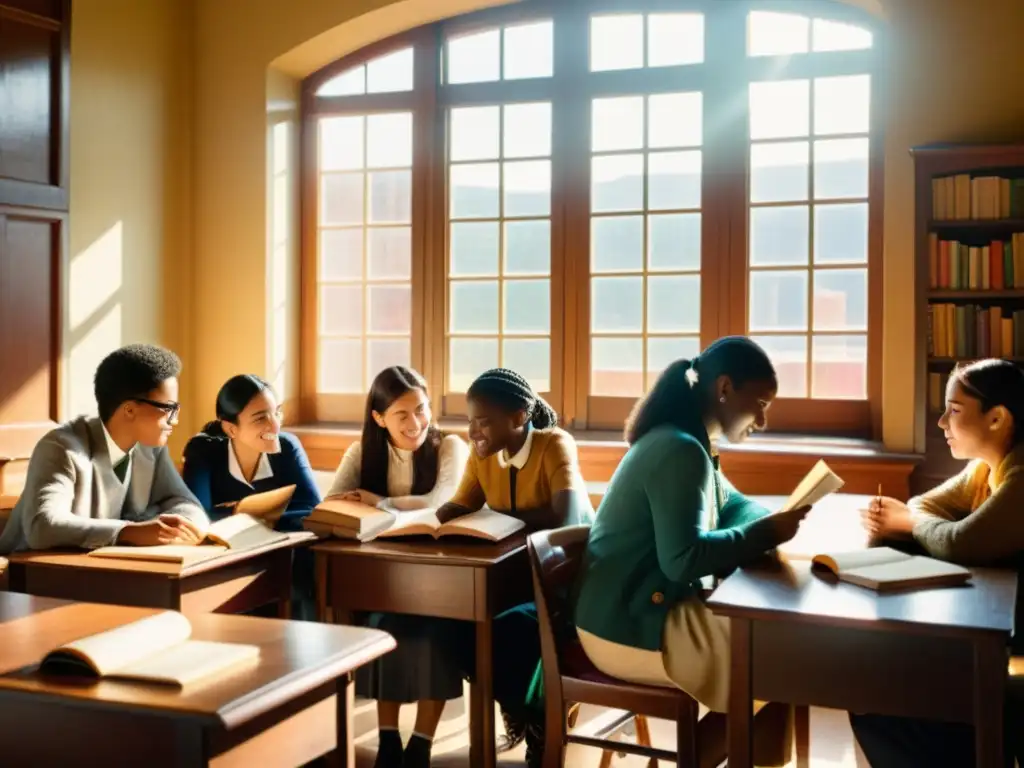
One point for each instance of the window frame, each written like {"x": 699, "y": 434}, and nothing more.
{"x": 724, "y": 208}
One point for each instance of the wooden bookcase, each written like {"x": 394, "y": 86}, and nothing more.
{"x": 969, "y": 219}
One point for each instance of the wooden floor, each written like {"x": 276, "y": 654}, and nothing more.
{"x": 832, "y": 744}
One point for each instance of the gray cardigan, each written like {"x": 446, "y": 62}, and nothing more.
{"x": 72, "y": 498}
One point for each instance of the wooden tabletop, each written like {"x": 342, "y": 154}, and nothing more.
{"x": 78, "y": 559}
{"x": 452, "y": 550}
{"x": 793, "y": 592}
{"x": 295, "y": 657}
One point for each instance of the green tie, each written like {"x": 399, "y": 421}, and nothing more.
{"x": 121, "y": 468}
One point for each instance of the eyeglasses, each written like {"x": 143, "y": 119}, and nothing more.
{"x": 171, "y": 409}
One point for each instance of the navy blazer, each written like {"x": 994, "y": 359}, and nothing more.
{"x": 208, "y": 477}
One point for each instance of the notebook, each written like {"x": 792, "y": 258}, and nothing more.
{"x": 155, "y": 649}
{"x": 885, "y": 569}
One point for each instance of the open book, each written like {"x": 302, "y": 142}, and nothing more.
{"x": 382, "y": 524}
{"x": 154, "y": 649}
{"x": 885, "y": 569}
{"x": 267, "y": 506}
{"x": 816, "y": 485}
{"x": 238, "y": 532}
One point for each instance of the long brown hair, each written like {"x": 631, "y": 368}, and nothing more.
{"x": 389, "y": 385}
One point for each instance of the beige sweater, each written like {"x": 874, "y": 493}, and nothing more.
{"x": 975, "y": 517}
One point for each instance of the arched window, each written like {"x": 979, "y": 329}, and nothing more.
{"x": 585, "y": 191}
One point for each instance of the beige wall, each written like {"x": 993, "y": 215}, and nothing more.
{"x": 130, "y": 242}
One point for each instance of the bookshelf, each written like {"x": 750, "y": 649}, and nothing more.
{"x": 969, "y": 258}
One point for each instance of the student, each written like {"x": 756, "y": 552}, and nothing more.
{"x": 668, "y": 519}
{"x": 94, "y": 482}
{"x": 525, "y": 466}
{"x": 405, "y": 460}
{"x": 974, "y": 518}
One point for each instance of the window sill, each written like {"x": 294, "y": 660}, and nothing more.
{"x": 764, "y": 465}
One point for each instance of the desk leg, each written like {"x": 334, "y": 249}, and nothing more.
{"x": 989, "y": 681}
{"x": 741, "y": 698}
{"x": 344, "y": 755}
{"x": 320, "y": 566}
{"x": 481, "y": 699}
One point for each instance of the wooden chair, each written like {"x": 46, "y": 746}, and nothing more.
{"x": 570, "y": 677}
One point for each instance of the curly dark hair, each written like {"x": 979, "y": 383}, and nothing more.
{"x": 510, "y": 391}
{"x": 131, "y": 372}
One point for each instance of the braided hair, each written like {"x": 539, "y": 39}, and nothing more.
{"x": 508, "y": 390}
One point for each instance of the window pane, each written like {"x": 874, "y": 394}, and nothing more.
{"x": 390, "y": 73}
{"x": 530, "y": 358}
{"x": 384, "y": 353}
{"x": 389, "y": 254}
{"x": 341, "y": 143}
{"x": 673, "y": 180}
{"x": 779, "y": 172}
{"x": 841, "y": 300}
{"x": 341, "y": 254}
{"x": 474, "y": 306}
{"x": 674, "y": 39}
{"x": 789, "y": 356}
{"x": 341, "y": 198}
{"x": 341, "y": 366}
{"x": 467, "y": 359}
{"x": 527, "y": 247}
{"x": 341, "y": 310}
{"x": 390, "y": 308}
{"x": 616, "y": 367}
{"x": 775, "y": 34}
{"x": 616, "y": 243}
{"x": 675, "y": 120}
{"x": 616, "y": 42}
{"x": 474, "y": 58}
{"x": 673, "y": 304}
{"x": 616, "y": 304}
{"x": 475, "y": 133}
{"x": 780, "y": 109}
{"x": 528, "y": 188}
{"x": 841, "y": 234}
{"x": 778, "y": 300}
{"x": 474, "y": 191}
{"x": 474, "y": 247}
{"x": 662, "y": 352}
{"x": 836, "y": 36}
{"x": 673, "y": 241}
{"x": 617, "y": 123}
{"x": 391, "y": 197}
{"x": 840, "y": 168}
{"x": 779, "y": 236}
{"x": 840, "y": 367}
{"x": 842, "y": 104}
{"x": 351, "y": 82}
{"x": 389, "y": 140}
{"x": 527, "y": 130}
{"x": 527, "y": 306}
{"x": 529, "y": 50}
{"x": 617, "y": 183}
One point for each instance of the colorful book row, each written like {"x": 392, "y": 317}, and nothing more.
{"x": 959, "y": 266}
{"x": 963, "y": 197}
{"x": 967, "y": 331}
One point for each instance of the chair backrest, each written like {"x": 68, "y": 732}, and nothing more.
{"x": 555, "y": 559}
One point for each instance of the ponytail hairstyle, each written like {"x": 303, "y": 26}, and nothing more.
{"x": 995, "y": 382}
{"x": 389, "y": 385}
{"x": 511, "y": 392}
{"x": 234, "y": 396}
{"x": 683, "y": 393}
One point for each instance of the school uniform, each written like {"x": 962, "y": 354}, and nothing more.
{"x": 214, "y": 475}
{"x": 81, "y": 490}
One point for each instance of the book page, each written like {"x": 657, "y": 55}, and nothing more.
{"x": 493, "y": 525}
{"x": 423, "y": 521}
{"x": 845, "y": 561}
{"x": 162, "y": 553}
{"x": 816, "y": 485}
{"x": 131, "y": 643}
{"x": 241, "y": 531}
{"x": 267, "y": 506}
{"x": 189, "y": 661}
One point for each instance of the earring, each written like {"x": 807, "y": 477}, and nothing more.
{"x": 721, "y": 399}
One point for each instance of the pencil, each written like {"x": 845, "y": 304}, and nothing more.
{"x": 879, "y": 495}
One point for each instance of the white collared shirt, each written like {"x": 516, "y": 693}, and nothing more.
{"x": 263, "y": 469}
{"x": 522, "y": 455}
{"x": 116, "y": 454}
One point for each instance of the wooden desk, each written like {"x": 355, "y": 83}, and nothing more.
{"x": 467, "y": 581}
{"x": 233, "y": 583}
{"x": 293, "y": 707}
{"x": 801, "y": 638}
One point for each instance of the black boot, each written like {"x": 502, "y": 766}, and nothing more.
{"x": 417, "y": 752}
{"x": 515, "y": 731}
{"x": 389, "y": 750}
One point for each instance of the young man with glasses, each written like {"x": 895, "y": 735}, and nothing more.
{"x": 94, "y": 481}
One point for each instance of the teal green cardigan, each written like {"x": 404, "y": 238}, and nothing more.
{"x": 655, "y": 536}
